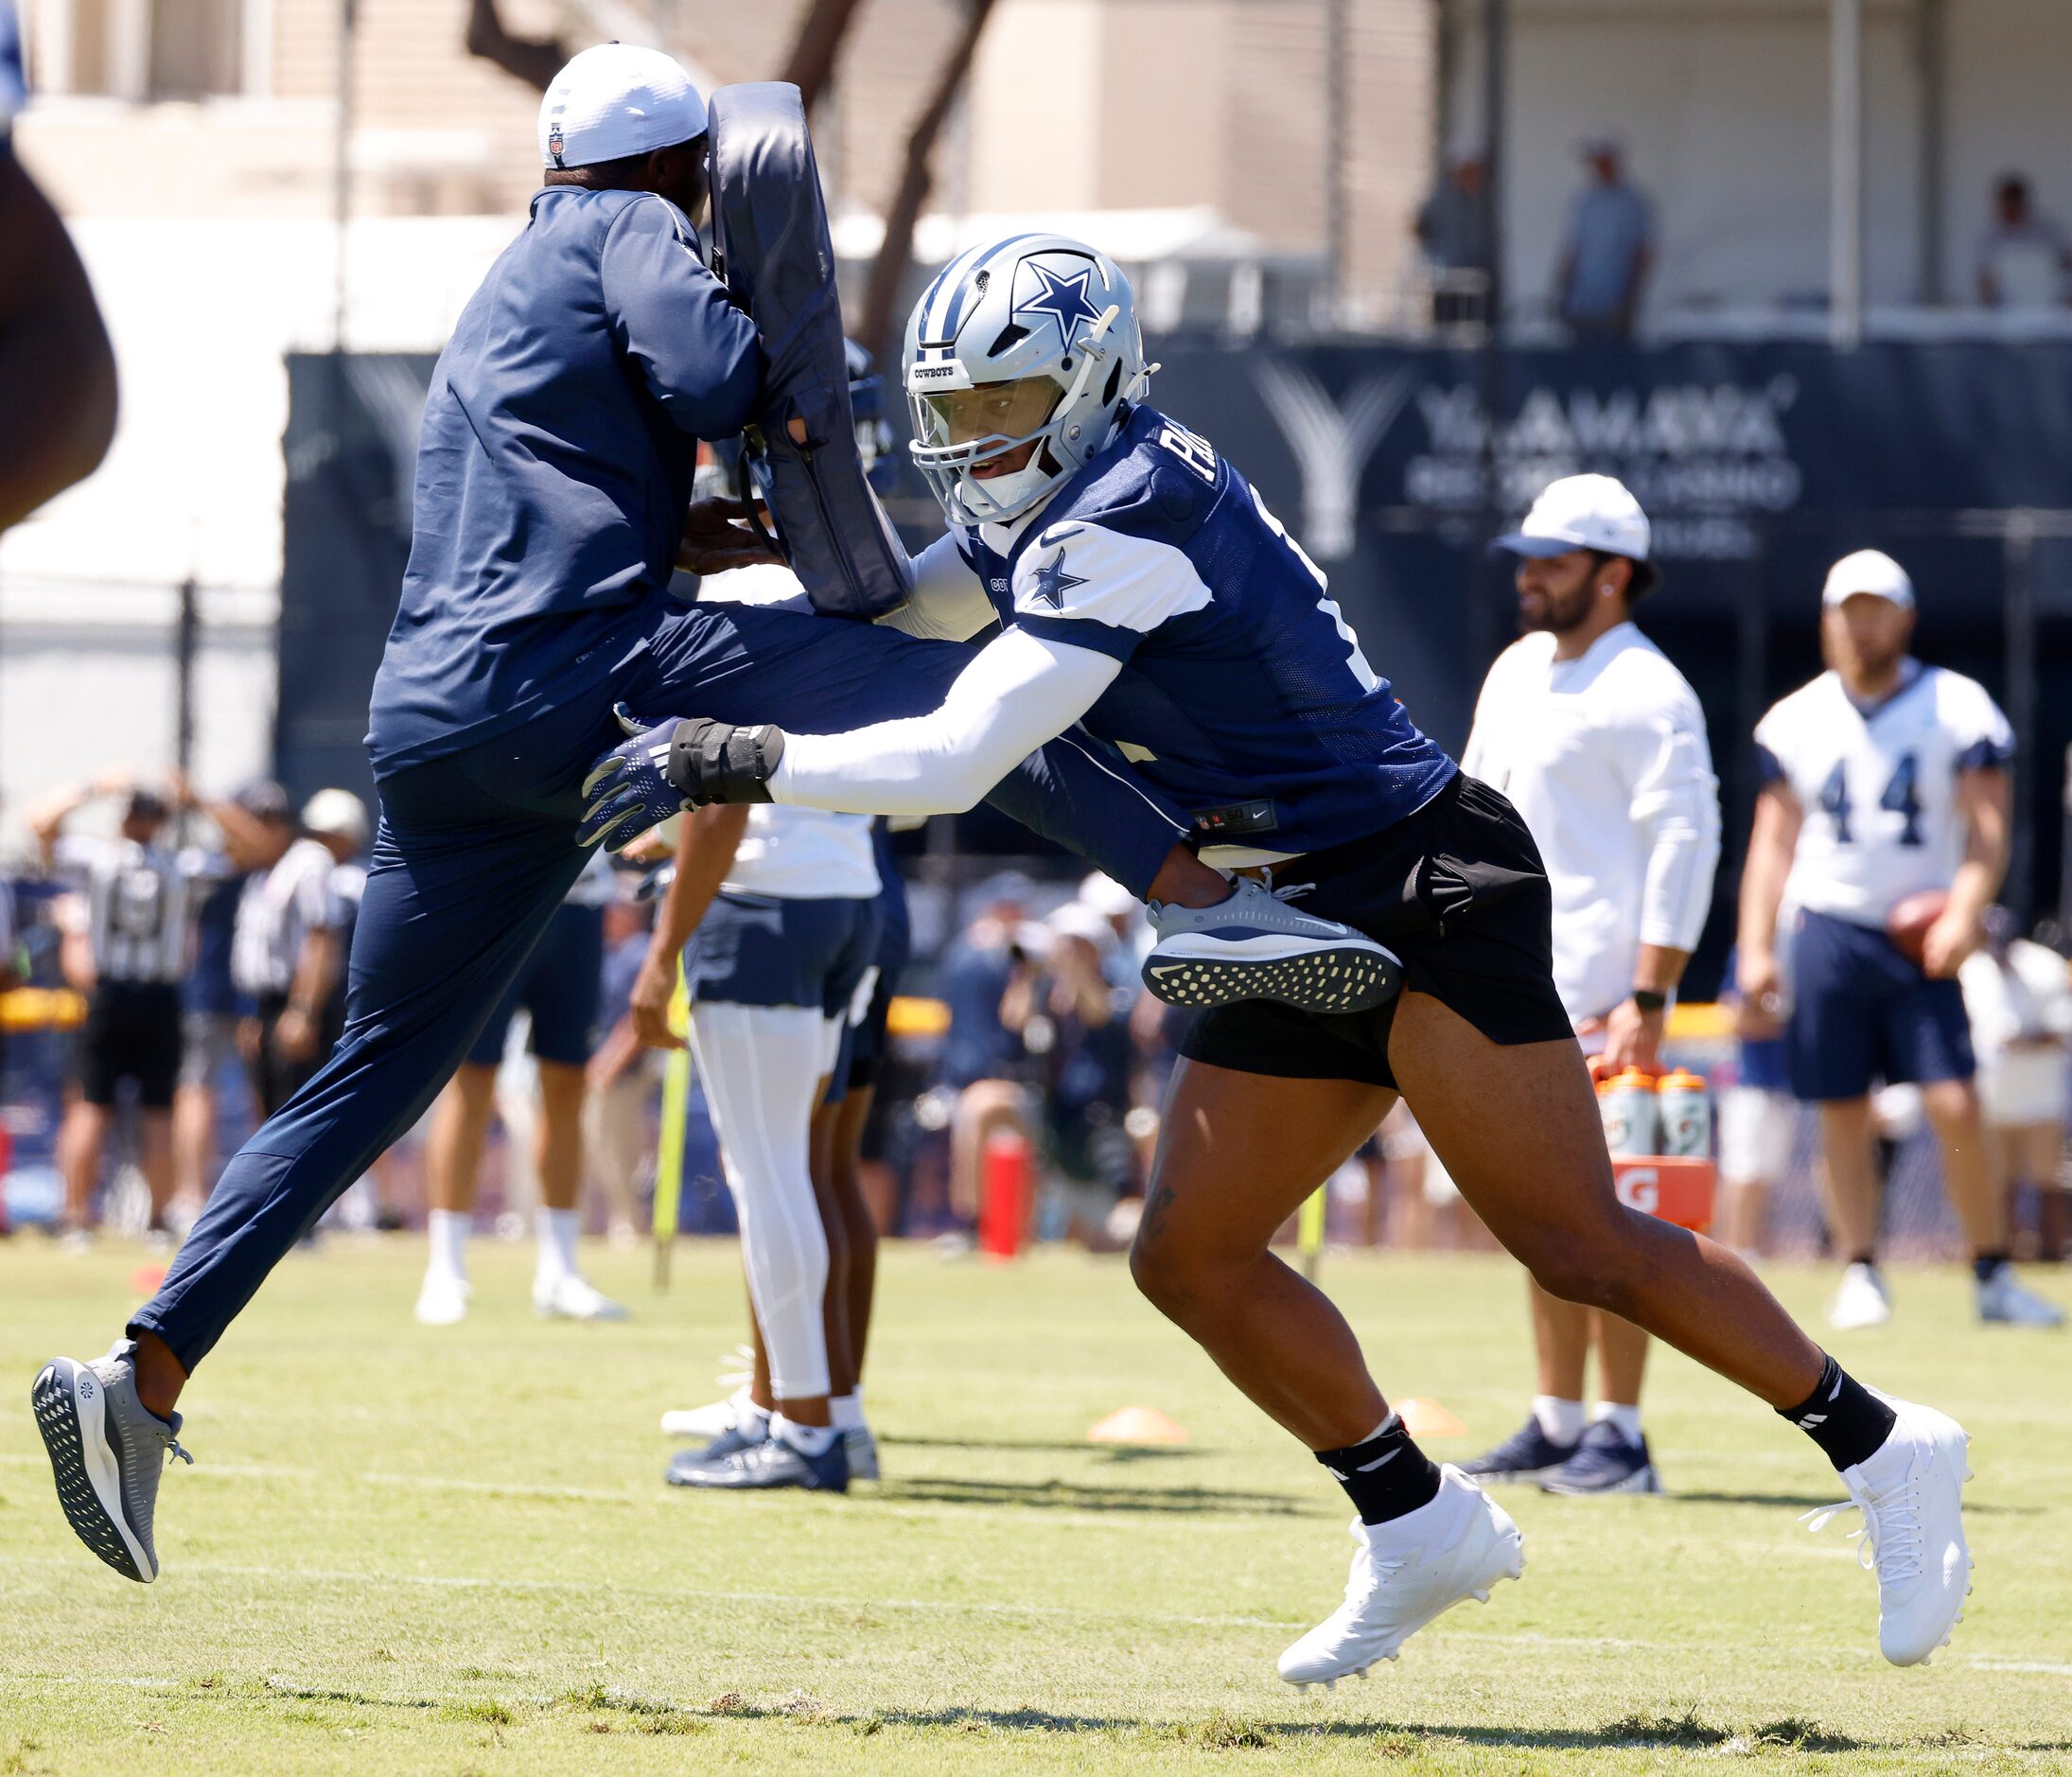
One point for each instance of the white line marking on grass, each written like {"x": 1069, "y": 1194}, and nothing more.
{"x": 952, "y": 1607}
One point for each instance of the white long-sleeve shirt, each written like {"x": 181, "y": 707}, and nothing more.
{"x": 1605, "y": 758}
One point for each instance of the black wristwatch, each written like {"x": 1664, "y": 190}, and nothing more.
{"x": 1647, "y": 999}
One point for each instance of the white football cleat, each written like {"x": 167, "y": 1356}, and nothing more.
{"x": 1859, "y": 1301}
{"x": 572, "y": 1296}
{"x": 2005, "y": 1300}
{"x": 1910, "y": 1491}
{"x": 712, "y": 1420}
{"x": 1405, "y": 1573}
{"x": 443, "y": 1299}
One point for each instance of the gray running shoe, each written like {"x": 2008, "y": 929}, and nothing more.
{"x": 773, "y": 1463}
{"x": 1256, "y": 947}
{"x": 108, "y": 1452}
{"x": 862, "y": 1453}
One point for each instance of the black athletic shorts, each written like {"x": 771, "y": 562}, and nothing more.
{"x": 1458, "y": 891}
{"x": 132, "y": 1031}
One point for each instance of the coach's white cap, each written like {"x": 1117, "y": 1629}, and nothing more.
{"x": 1869, "y": 570}
{"x": 615, "y": 100}
{"x": 337, "y": 812}
{"x": 1582, "y": 512}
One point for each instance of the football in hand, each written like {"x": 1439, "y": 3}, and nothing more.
{"x": 1908, "y": 923}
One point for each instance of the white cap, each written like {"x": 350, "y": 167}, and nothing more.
{"x": 1869, "y": 570}
{"x": 615, "y": 100}
{"x": 1582, "y": 512}
{"x": 337, "y": 812}
{"x": 1074, "y": 918}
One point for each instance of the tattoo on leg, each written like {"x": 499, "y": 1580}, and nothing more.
{"x": 1153, "y": 1224}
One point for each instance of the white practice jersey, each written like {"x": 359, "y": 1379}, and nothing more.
{"x": 1606, "y": 759}
{"x": 793, "y": 854}
{"x": 1878, "y": 787}
{"x": 804, "y": 854}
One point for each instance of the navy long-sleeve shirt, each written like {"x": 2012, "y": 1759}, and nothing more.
{"x": 553, "y": 468}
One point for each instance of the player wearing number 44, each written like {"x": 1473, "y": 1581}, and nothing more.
{"x": 1884, "y": 779}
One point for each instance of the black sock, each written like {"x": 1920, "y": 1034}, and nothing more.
{"x": 1843, "y": 1416}
{"x": 1985, "y": 1264}
{"x": 1864, "y": 1259}
{"x": 1386, "y": 1476}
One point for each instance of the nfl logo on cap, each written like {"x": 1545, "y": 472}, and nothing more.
{"x": 554, "y": 142}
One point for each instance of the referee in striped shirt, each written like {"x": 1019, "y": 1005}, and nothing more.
{"x": 137, "y": 895}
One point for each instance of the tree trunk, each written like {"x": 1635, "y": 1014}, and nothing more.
{"x": 874, "y": 325}
{"x": 534, "y": 60}
{"x": 811, "y": 64}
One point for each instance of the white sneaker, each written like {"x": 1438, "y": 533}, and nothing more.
{"x": 1404, "y": 1573}
{"x": 2004, "y": 1300}
{"x": 1860, "y": 1300}
{"x": 713, "y": 1421}
{"x": 443, "y": 1299}
{"x": 572, "y": 1296}
{"x": 1910, "y": 1491}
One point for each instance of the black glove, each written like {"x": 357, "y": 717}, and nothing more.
{"x": 662, "y": 768}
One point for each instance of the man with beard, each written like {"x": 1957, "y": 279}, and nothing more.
{"x": 1600, "y": 744}
{"x": 1885, "y": 782}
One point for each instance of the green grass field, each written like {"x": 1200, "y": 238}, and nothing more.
{"x": 403, "y": 1549}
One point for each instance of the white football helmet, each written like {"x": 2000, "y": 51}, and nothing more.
{"x": 1030, "y": 339}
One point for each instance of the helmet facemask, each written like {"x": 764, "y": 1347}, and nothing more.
{"x": 996, "y": 375}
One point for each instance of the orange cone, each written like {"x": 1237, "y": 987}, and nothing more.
{"x": 1428, "y": 1418}
{"x": 145, "y": 1278}
{"x": 1136, "y": 1425}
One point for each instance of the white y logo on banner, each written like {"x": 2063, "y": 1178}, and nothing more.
{"x": 1332, "y": 446}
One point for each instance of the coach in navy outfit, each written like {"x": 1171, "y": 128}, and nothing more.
{"x": 553, "y": 473}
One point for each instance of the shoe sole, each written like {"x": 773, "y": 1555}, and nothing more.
{"x": 704, "y": 1486}
{"x": 1641, "y": 1481}
{"x": 1333, "y": 978}
{"x": 1510, "y": 1542}
{"x": 89, "y": 1479}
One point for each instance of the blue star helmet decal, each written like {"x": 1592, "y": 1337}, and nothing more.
{"x": 1053, "y": 582}
{"x": 1064, "y": 300}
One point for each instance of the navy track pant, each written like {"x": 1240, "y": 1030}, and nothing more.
{"x": 473, "y": 854}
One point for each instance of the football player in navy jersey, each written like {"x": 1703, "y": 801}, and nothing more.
{"x": 1145, "y": 587}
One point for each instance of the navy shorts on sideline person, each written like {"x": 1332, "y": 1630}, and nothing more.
{"x": 761, "y": 950}
{"x": 559, "y": 986}
{"x": 865, "y": 1051}
{"x": 1862, "y": 1013}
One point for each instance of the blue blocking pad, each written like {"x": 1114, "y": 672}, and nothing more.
{"x": 770, "y": 232}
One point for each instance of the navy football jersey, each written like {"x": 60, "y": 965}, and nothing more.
{"x": 1243, "y": 693}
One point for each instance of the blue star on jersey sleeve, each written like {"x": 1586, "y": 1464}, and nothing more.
{"x": 1095, "y": 587}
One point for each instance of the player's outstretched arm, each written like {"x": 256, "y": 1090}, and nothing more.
{"x": 1019, "y": 691}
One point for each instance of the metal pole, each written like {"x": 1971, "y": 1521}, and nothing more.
{"x": 1845, "y": 174}
{"x": 1336, "y": 84}
{"x": 341, "y": 168}
{"x": 185, "y": 645}
{"x": 1931, "y": 67}
{"x": 1482, "y": 615}
{"x": 2019, "y": 605}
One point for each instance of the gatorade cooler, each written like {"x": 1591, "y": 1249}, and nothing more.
{"x": 1644, "y": 1116}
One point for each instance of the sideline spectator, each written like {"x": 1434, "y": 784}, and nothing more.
{"x": 256, "y": 829}
{"x": 2024, "y": 256}
{"x": 1609, "y": 250}
{"x": 1067, "y": 1018}
{"x": 128, "y": 955}
{"x": 2019, "y": 999}
{"x": 288, "y": 955}
{"x": 979, "y": 1054}
{"x": 1453, "y": 228}
{"x": 619, "y": 1134}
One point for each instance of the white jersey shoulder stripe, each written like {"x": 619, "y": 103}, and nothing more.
{"x": 1077, "y": 568}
